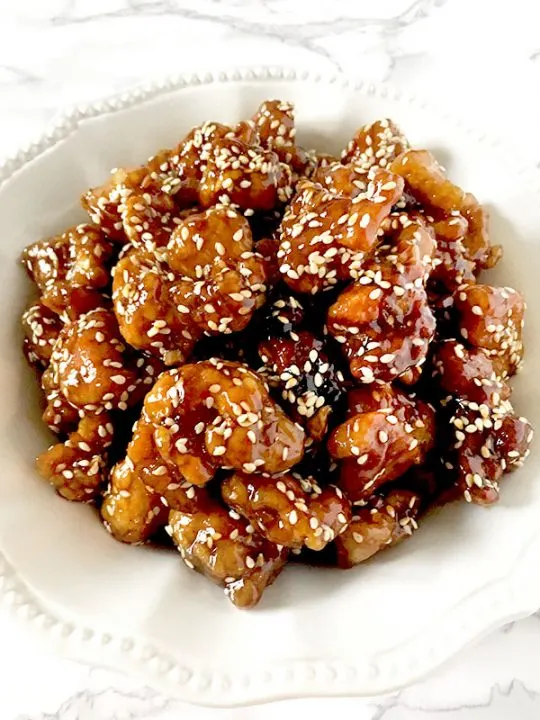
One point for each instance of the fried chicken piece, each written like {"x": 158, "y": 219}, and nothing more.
{"x": 289, "y": 512}
{"x": 77, "y": 468}
{"x": 222, "y": 546}
{"x": 387, "y": 432}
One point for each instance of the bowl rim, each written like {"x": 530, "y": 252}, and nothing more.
{"x": 513, "y": 597}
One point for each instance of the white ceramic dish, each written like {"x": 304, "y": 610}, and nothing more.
{"x": 316, "y": 632}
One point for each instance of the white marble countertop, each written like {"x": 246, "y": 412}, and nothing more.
{"x": 54, "y": 53}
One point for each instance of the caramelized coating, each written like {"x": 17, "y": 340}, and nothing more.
{"x": 426, "y": 181}
{"x": 289, "y": 512}
{"x": 483, "y": 437}
{"x": 60, "y": 416}
{"x": 41, "y": 328}
{"x": 131, "y": 512}
{"x": 214, "y": 250}
{"x": 77, "y": 468}
{"x": 349, "y": 180}
{"x": 485, "y": 447}
{"x": 296, "y": 363}
{"x": 383, "y": 321}
{"x": 250, "y": 177}
{"x": 209, "y": 281}
{"x": 105, "y": 203}
{"x": 469, "y": 374}
{"x": 154, "y": 312}
{"x": 222, "y": 546}
{"x": 274, "y": 125}
{"x": 89, "y": 365}
{"x": 316, "y": 161}
{"x": 387, "y": 432}
{"x": 145, "y": 463}
{"x": 375, "y": 145}
{"x": 325, "y": 236}
{"x": 268, "y": 248}
{"x": 301, "y": 369}
{"x": 215, "y": 414}
{"x": 492, "y": 318}
{"x": 179, "y": 172}
{"x": 148, "y": 219}
{"x": 70, "y": 269}
{"x": 383, "y": 521}
{"x": 212, "y": 163}
{"x": 452, "y": 266}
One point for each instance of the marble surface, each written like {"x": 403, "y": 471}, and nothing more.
{"x": 54, "y": 53}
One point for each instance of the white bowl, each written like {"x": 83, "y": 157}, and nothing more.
{"x": 316, "y": 632}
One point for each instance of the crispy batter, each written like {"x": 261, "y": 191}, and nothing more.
{"x": 104, "y": 203}
{"x": 375, "y": 145}
{"x": 274, "y": 125}
{"x": 215, "y": 414}
{"x": 383, "y": 320}
{"x": 208, "y": 280}
{"x": 386, "y": 433}
{"x": 250, "y": 177}
{"x": 214, "y": 250}
{"x": 287, "y": 511}
{"x": 325, "y": 236}
{"x": 70, "y": 269}
{"x": 469, "y": 373}
{"x": 426, "y": 181}
{"x": 130, "y": 511}
{"x": 77, "y": 468}
{"x": 381, "y": 522}
{"x": 222, "y": 546}
{"x": 41, "y": 328}
{"x": 146, "y": 299}
{"x": 348, "y": 180}
{"x": 492, "y": 318}
{"x": 483, "y": 437}
{"x": 89, "y": 364}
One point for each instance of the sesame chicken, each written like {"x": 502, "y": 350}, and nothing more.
{"x": 483, "y": 437}
{"x": 220, "y": 544}
{"x": 275, "y": 354}
{"x": 325, "y": 236}
{"x": 375, "y": 145}
{"x": 41, "y": 328}
{"x": 426, "y": 181}
{"x": 383, "y": 520}
{"x": 387, "y": 432}
{"x": 288, "y": 511}
{"x": 492, "y": 318}
{"x": 77, "y": 468}
{"x": 383, "y": 321}
{"x": 208, "y": 280}
{"x": 70, "y": 269}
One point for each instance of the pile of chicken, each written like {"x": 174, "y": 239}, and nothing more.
{"x": 300, "y": 341}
